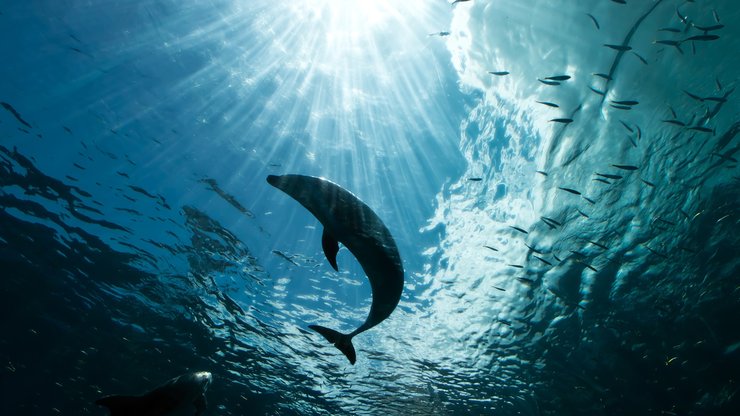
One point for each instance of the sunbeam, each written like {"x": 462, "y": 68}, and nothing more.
{"x": 339, "y": 84}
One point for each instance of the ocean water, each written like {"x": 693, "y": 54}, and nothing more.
{"x": 588, "y": 265}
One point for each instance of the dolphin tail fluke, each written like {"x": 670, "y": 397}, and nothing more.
{"x": 121, "y": 405}
{"x": 342, "y": 341}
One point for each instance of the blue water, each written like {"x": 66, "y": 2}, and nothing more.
{"x": 139, "y": 239}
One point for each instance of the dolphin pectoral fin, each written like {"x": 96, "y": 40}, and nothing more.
{"x": 331, "y": 248}
{"x": 341, "y": 341}
{"x": 121, "y": 405}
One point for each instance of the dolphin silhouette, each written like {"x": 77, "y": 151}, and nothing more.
{"x": 349, "y": 221}
{"x": 182, "y": 395}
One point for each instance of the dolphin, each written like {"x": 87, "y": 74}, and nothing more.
{"x": 349, "y": 221}
{"x": 182, "y": 395}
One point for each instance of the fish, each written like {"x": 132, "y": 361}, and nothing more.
{"x": 676, "y": 122}
{"x": 602, "y": 181}
{"x": 547, "y": 82}
{"x": 701, "y": 38}
{"x": 348, "y": 220}
{"x": 542, "y": 173}
{"x": 499, "y": 73}
{"x": 605, "y": 76}
{"x": 558, "y": 78}
{"x": 683, "y": 19}
{"x": 728, "y": 136}
{"x": 563, "y": 120}
{"x": 543, "y": 260}
{"x": 597, "y": 91}
{"x": 589, "y": 266}
{"x": 582, "y": 213}
{"x": 476, "y": 179}
{"x": 458, "y": 1}
{"x": 519, "y": 229}
{"x": 598, "y": 245}
{"x": 697, "y": 215}
{"x": 621, "y": 48}
{"x": 724, "y": 157}
{"x": 499, "y": 288}
{"x": 590, "y": 201}
{"x": 552, "y": 224}
{"x": 640, "y": 57}
{"x": 673, "y": 112}
{"x": 665, "y": 221}
{"x": 440, "y": 34}
{"x": 675, "y": 43}
{"x": 556, "y": 258}
{"x": 648, "y": 183}
{"x": 621, "y": 107}
{"x": 626, "y": 167}
{"x": 573, "y": 191}
{"x": 639, "y": 132}
{"x": 655, "y": 252}
{"x": 609, "y": 176}
{"x": 702, "y": 129}
{"x": 669, "y": 29}
{"x": 546, "y": 219}
{"x": 15, "y": 114}
{"x": 593, "y": 19}
{"x": 528, "y": 282}
{"x": 694, "y": 96}
{"x": 620, "y": 1}
{"x": 716, "y": 16}
{"x": 706, "y": 29}
{"x": 533, "y": 249}
{"x": 181, "y": 395}
{"x": 518, "y": 266}
{"x": 626, "y": 126}
{"x": 284, "y": 257}
{"x": 626, "y": 102}
{"x": 549, "y": 104}
{"x": 491, "y": 248}
{"x": 79, "y": 51}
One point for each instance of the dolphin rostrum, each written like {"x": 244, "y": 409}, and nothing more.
{"x": 349, "y": 221}
{"x": 182, "y": 395}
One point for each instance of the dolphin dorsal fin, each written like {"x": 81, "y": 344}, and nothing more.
{"x": 331, "y": 248}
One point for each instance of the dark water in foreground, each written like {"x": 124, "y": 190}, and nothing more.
{"x": 139, "y": 239}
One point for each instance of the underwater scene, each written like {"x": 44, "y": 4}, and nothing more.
{"x": 355, "y": 207}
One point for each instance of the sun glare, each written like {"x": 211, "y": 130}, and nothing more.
{"x": 355, "y": 15}
{"x": 358, "y": 14}
{"x": 349, "y": 78}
